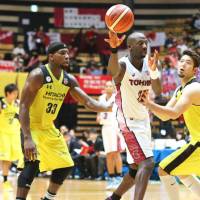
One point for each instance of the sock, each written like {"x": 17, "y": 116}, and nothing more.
{"x": 170, "y": 185}
{"x": 49, "y": 196}
{"x": 20, "y": 198}
{"x": 5, "y": 178}
{"x": 117, "y": 174}
{"x": 193, "y": 184}
{"x": 111, "y": 175}
{"x": 115, "y": 197}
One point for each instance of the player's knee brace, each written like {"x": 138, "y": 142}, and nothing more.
{"x": 132, "y": 172}
{"x": 59, "y": 175}
{"x": 27, "y": 175}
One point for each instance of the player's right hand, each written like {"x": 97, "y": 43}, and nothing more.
{"x": 30, "y": 150}
{"x": 114, "y": 41}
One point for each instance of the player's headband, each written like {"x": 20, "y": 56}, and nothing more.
{"x": 55, "y": 46}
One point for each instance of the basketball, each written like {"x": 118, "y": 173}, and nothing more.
{"x": 119, "y": 18}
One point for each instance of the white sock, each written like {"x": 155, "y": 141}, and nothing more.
{"x": 193, "y": 184}
{"x": 49, "y": 196}
{"x": 170, "y": 185}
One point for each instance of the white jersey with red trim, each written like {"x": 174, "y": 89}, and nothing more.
{"x": 133, "y": 85}
{"x": 108, "y": 118}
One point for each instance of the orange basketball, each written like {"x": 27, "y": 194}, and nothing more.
{"x": 119, "y": 18}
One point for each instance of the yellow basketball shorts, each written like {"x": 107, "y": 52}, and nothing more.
{"x": 184, "y": 161}
{"x": 52, "y": 151}
{"x": 10, "y": 147}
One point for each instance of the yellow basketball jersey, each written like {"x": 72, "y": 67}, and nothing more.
{"x": 49, "y": 99}
{"x": 191, "y": 115}
{"x": 8, "y": 116}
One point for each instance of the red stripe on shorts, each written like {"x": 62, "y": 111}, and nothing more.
{"x": 129, "y": 136}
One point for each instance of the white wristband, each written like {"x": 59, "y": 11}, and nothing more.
{"x": 154, "y": 74}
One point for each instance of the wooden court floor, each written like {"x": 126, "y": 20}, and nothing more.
{"x": 89, "y": 190}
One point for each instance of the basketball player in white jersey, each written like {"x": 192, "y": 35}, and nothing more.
{"x": 134, "y": 75}
{"x": 110, "y": 135}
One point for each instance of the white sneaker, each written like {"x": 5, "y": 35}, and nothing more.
{"x": 110, "y": 183}
{"x": 118, "y": 180}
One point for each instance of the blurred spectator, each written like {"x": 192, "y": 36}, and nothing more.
{"x": 104, "y": 56}
{"x": 198, "y": 74}
{"x": 19, "y": 50}
{"x": 91, "y": 158}
{"x": 31, "y": 41}
{"x": 196, "y": 21}
{"x": 77, "y": 40}
{"x": 99, "y": 150}
{"x": 187, "y": 36}
{"x": 73, "y": 66}
{"x": 63, "y": 129}
{"x": 41, "y": 40}
{"x": 169, "y": 78}
{"x": 85, "y": 136}
{"x": 180, "y": 135}
{"x": 104, "y": 70}
{"x": 96, "y": 70}
{"x": 170, "y": 40}
{"x": 92, "y": 68}
{"x": 166, "y": 128}
{"x": 181, "y": 45}
{"x": 74, "y": 146}
{"x": 33, "y": 62}
{"x": 73, "y": 51}
{"x": 91, "y": 37}
{"x": 18, "y": 62}
{"x": 198, "y": 48}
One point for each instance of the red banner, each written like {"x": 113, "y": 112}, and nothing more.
{"x": 6, "y": 37}
{"x": 93, "y": 84}
{"x": 7, "y": 65}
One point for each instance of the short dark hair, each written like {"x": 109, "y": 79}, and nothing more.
{"x": 195, "y": 57}
{"x": 10, "y": 88}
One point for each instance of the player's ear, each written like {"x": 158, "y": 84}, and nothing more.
{"x": 195, "y": 70}
{"x": 50, "y": 57}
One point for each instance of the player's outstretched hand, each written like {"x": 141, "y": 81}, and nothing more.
{"x": 153, "y": 61}
{"x": 114, "y": 41}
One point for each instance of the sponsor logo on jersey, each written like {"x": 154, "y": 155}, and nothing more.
{"x": 48, "y": 79}
{"x": 137, "y": 82}
{"x": 54, "y": 94}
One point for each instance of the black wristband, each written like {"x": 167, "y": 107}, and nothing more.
{"x": 114, "y": 50}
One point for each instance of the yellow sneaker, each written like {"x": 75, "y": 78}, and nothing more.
{"x": 7, "y": 186}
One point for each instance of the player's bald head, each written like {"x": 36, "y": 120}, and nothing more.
{"x": 137, "y": 45}
{"x": 134, "y": 37}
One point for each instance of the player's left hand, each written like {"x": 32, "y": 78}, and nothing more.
{"x": 153, "y": 61}
{"x": 145, "y": 99}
